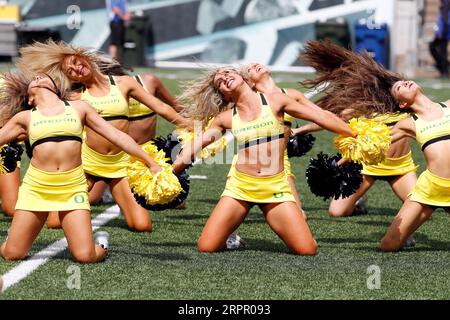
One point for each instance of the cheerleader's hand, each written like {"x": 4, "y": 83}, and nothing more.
{"x": 343, "y": 161}
{"x": 154, "y": 167}
{"x": 291, "y": 133}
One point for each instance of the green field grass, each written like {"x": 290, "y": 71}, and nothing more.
{"x": 166, "y": 265}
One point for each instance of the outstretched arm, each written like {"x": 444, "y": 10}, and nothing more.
{"x": 215, "y": 132}
{"x": 307, "y": 128}
{"x": 14, "y": 128}
{"x": 300, "y": 97}
{"x": 117, "y": 137}
{"x": 322, "y": 118}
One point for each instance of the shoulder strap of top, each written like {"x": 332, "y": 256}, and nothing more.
{"x": 263, "y": 99}
{"x": 284, "y": 90}
{"x": 138, "y": 79}
{"x": 66, "y": 103}
{"x": 111, "y": 80}
{"x": 443, "y": 105}
{"x": 234, "y": 110}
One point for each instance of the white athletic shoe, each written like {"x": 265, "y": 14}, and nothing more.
{"x": 101, "y": 238}
{"x": 107, "y": 196}
{"x": 235, "y": 242}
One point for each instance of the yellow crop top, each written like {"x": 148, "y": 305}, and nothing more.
{"x": 139, "y": 110}
{"x": 266, "y": 127}
{"x": 428, "y": 132}
{"x": 113, "y": 106}
{"x": 64, "y": 126}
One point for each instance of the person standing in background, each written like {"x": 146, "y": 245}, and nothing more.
{"x": 118, "y": 15}
{"x": 438, "y": 47}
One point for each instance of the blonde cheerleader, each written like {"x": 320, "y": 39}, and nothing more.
{"x": 256, "y": 121}
{"x": 55, "y": 179}
{"x": 102, "y": 161}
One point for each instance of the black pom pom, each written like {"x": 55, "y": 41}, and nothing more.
{"x": 352, "y": 178}
{"x": 326, "y": 179}
{"x": 170, "y": 145}
{"x": 183, "y": 178}
{"x": 11, "y": 153}
{"x": 300, "y": 144}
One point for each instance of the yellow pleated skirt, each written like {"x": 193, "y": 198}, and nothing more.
{"x": 53, "y": 191}
{"x": 104, "y": 165}
{"x": 268, "y": 189}
{"x": 391, "y": 166}
{"x": 432, "y": 190}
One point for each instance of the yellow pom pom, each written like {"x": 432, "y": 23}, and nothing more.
{"x": 161, "y": 188}
{"x": 371, "y": 144}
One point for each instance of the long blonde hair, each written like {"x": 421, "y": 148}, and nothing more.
{"x": 14, "y": 94}
{"x": 201, "y": 99}
{"x": 49, "y": 57}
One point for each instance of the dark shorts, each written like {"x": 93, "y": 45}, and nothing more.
{"x": 446, "y": 209}
{"x": 97, "y": 179}
{"x": 117, "y": 33}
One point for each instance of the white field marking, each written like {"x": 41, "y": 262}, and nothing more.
{"x": 194, "y": 177}
{"x": 25, "y": 268}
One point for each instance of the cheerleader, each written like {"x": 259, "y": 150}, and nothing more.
{"x": 55, "y": 179}
{"x": 362, "y": 87}
{"x": 338, "y": 67}
{"x": 262, "y": 81}
{"x": 142, "y": 120}
{"x": 256, "y": 120}
{"x": 102, "y": 161}
{"x": 428, "y": 125}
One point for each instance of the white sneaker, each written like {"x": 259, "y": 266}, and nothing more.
{"x": 234, "y": 242}
{"x": 101, "y": 238}
{"x": 107, "y": 196}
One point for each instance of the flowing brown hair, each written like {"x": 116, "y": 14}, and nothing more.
{"x": 355, "y": 84}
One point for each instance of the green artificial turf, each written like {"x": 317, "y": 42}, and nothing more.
{"x": 165, "y": 264}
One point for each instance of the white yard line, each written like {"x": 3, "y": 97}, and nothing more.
{"x": 195, "y": 177}
{"x": 25, "y": 268}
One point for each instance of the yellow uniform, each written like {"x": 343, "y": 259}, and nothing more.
{"x": 113, "y": 106}
{"x": 259, "y": 190}
{"x": 288, "y": 120}
{"x": 391, "y": 168}
{"x": 431, "y": 189}
{"x": 138, "y": 110}
{"x": 53, "y": 191}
